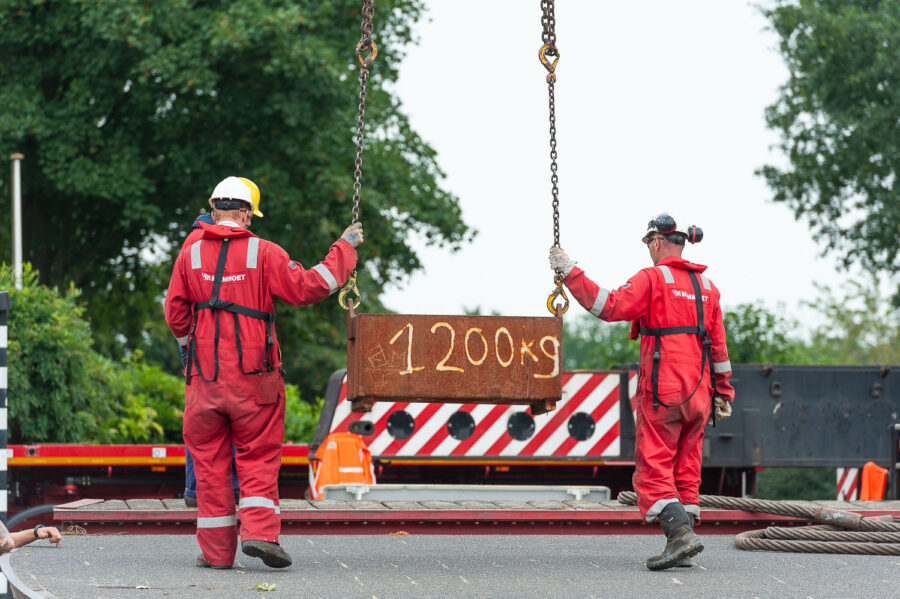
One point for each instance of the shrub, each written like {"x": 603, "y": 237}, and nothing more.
{"x": 57, "y": 383}
{"x": 300, "y": 417}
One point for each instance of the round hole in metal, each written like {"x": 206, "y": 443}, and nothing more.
{"x": 400, "y": 424}
{"x": 581, "y": 426}
{"x": 461, "y": 425}
{"x": 520, "y": 426}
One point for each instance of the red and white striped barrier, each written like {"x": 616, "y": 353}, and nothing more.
{"x": 585, "y": 423}
{"x": 847, "y": 484}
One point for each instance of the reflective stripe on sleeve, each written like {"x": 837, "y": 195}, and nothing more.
{"x": 258, "y": 502}
{"x": 667, "y": 274}
{"x": 326, "y": 274}
{"x": 252, "y": 251}
{"x": 599, "y": 302}
{"x": 722, "y": 366}
{"x": 705, "y": 283}
{"x": 217, "y": 521}
{"x": 182, "y": 341}
{"x": 195, "y": 254}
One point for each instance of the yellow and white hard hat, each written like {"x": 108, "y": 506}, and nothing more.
{"x": 238, "y": 188}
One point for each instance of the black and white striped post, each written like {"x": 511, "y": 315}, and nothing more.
{"x": 4, "y": 309}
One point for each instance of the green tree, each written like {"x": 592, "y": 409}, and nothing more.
{"x": 862, "y": 328}
{"x": 589, "y": 342}
{"x": 129, "y": 112}
{"x": 756, "y": 335}
{"x": 838, "y": 117}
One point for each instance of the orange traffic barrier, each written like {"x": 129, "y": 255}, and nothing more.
{"x": 343, "y": 458}
{"x": 874, "y": 478}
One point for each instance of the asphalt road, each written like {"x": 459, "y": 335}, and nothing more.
{"x": 408, "y": 567}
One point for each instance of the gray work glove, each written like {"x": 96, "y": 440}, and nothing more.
{"x": 353, "y": 235}
{"x": 723, "y": 410}
{"x": 560, "y": 261}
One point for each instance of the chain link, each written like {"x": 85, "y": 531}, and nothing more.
{"x": 364, "y": 45}
{"x": 548, "y": 21}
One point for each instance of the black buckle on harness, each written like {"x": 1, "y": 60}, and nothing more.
{"x": 707, "y": 343}
{"x": 656, "y": 356}
{"x": 218, "y": 304}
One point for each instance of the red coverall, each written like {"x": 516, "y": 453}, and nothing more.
{"x": 669, "y": 440}
{"x": 239, "y": 408}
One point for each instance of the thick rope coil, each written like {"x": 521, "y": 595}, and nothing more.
{"x": 877, "y": 535}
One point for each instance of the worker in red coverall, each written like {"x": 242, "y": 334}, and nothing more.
{"x": 684, "y": 377}
{"x": 220, "y": 305}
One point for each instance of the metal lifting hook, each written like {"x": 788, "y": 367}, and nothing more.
{"x": 350, "y": 287}
{"x": 558, "y": 309}
{"x": 548, "y": 50}
{"x": 365, "y": 61}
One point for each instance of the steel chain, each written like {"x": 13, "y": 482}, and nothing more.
{"x": 364, "y": 45}
{"x": 548, "y": 22}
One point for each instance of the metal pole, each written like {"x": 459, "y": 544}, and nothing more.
{"x": 17, "y": 215}
{"x": 4, "y": 309}
{"x": 895, "y": 462}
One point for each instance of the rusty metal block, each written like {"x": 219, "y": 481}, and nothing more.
{"x": 454, "y": 359}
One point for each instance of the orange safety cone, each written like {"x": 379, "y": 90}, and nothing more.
{"x": 874, "y": 478}
{"x": 343, "y": 458}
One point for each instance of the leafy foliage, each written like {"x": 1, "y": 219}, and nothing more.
{"x": 62, "y": 390}
{"x": 300, "y": 417}
{"x": 129, "y": 112}
{"x": 837, "y": 116}
{"x": 862, "y": 328}
{"x": 756, "y": 334}
{"x": 591, "y": 343}
{"x": 56, "y": 380}
{"x": 795, "y": 483}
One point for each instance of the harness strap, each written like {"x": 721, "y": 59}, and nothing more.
{"x": 706, "y": 351}
{"x": 216, "y": 304}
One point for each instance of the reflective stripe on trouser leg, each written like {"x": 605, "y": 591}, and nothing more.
{"x": 258, "y": 436}
{"x": 264, "y": 502}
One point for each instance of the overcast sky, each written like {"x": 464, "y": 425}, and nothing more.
{"x": 659, "y": 108}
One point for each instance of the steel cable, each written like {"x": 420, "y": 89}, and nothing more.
{"x": 878, "y": 535}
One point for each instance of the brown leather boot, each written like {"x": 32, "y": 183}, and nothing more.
{"x": 681, "y": 542}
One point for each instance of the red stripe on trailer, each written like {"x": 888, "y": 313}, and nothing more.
{"x": 562, "y": 413}
{"x": 419, "y": 421}
{"x": 611, "y": 435}
{"x": 441, "y": 434}
{"x": 609, "y": 401}
{"x": 566, "y": 377}
{"x": 382, "y": 422}
{"x": 486, "y": 423}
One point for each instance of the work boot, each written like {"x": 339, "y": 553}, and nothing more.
{"x": 687, "y": 562}
{"x": 202, "y": 563}
{"x": 681, "y": 542}
{"x": 271, "y": 554}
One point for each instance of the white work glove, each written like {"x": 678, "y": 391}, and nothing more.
{"x": 353, "y": 235}
{"x": 560, "y": 261}
{"x": 723, "y": 410}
